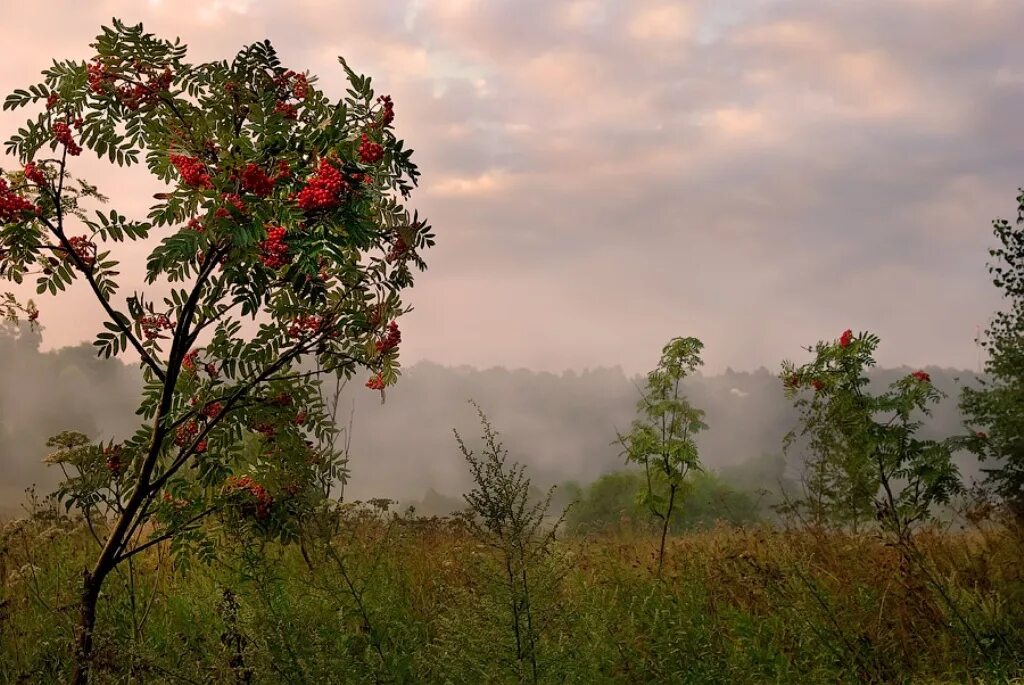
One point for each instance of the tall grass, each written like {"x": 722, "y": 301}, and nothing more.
{"x": 379, "y": 598}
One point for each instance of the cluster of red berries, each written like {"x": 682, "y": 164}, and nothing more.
{"x": 322, "y": 189}
{"x": 398, "y": 250}
{"x": 846, "y": 338}
{"x": 115, "y": 459}
{"x": 62, "y": 133}
{"x": 981, "y": 434}
{"x": 256, "y": 181}
{"x": 134, "y": 96}
{"x": 100, "y": 76}
{"x": 297, "y": 83}
{"x": 153, "y": 324}
{"x": 187, "y": 432}
{"x": 921, "y": 376}
{"x": 387, "y": 113}
{"x": 794, "y": 380}
{"x": 212, "y": 410}
{"x": 300, "y": 88}
{"x": 376, "y": 382}
{"x": 192, "y": 170}
{"x": 300, "y": 417}
{"x": 286, "y": 109}
{"x": 51, "y": 100}
{"x": 13, "y": 206}
{"x": 305, "y": 323}
{"x": 257, "y": 491}
{"x": 369, "y": 151}
{"x": 267, "y": 430}
{"x": 34, "y": 173}
{"x": 274, "y": 250}
{"x": 196, "y": 224}
{"x": 234, "y": 200}
{"x": 84, "y": 249}
{"x": 390, "y": 340}
{"x": 189, "y": 360}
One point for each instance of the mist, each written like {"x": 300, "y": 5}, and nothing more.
{"x": 562, "y": 426}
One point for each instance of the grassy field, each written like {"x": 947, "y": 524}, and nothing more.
{"x": 385, "y": 598}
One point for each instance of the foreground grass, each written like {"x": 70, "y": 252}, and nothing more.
{"x": 388, "y": 599}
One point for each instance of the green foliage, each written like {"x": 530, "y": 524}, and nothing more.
{"x": 617, "y": 500}
{"x": 998, "y": 405}
{"x": 507, "y": 517}
{"x": 663, "y": 440}
{"x": 866, "y": 461}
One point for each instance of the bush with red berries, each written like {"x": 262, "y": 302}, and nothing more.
{"x": 864, "y": 462}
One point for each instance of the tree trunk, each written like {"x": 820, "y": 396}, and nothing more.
{"x": 86, "y": 622}
{"x": 664, "y": 527}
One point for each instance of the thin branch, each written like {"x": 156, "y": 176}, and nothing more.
{"x": 166, "y": 536}
{"x": 115, "y": 316}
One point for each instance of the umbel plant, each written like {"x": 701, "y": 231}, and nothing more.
{"x": 281, "y": 250}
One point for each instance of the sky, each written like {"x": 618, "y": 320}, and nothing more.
{"x": 603, "y": 176}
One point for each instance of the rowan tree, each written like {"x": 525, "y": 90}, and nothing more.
{"x": 280, "y": 250}
{"x": 866, "y": 461}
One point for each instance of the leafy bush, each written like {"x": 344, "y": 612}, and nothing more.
{"x": 617, "y": 500}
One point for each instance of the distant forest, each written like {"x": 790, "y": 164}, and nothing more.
{"x": 561, "y": 426}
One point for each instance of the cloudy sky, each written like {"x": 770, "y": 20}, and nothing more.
{"x": 605, "y": 175}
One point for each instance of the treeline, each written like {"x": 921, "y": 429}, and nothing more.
{"x": 563, "y": 425}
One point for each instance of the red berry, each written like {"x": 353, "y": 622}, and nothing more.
{"x": 192, "y": 170}
{"x": 84, "y": 249}
{"x": 323, "y": 188}
{"x": 369, "y": 151}
{"x": 62, "y": 133}
{"x": 390, "y": 340}
{"x": 256, "y": 181}
{"x": 14, "y": 207}
{"x": 34, "y": 173}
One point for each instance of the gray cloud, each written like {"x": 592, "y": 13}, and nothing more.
{"x": 603, "y": 176}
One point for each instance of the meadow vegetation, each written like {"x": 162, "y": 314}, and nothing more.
{"x": 376, "y": 597}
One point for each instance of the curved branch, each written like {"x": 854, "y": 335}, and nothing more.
{"x": 115, "y": 316}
